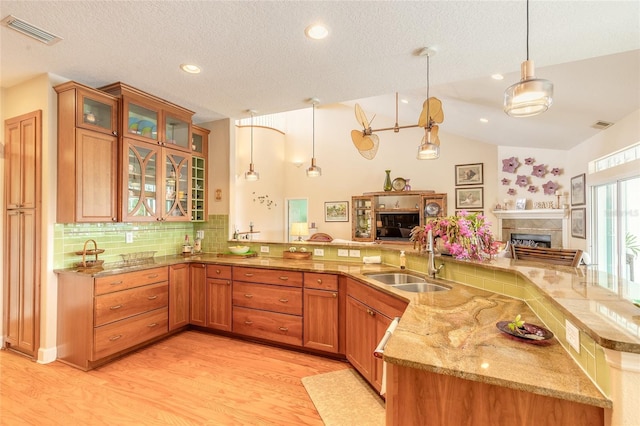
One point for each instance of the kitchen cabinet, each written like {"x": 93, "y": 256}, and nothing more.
{"x": 21, "y": 243}
{"x": 87, "y": 155}
{"x": 219, "y": 297}
{"x": 391, "y": 215}
{"x": 200, "y": 142}
{"x": 156, "y": 183}
{"x": 103, "y": 317}
{"x": 267, "y": 304}
{"x": 321, "y": 312}
{"x": 368, "y": 314}
{"x": 179, "y": 294}
{"x": 198, "y": 296}
{"x": 152, "y": 120}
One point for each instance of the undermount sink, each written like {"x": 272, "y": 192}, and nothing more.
{"x": 406, "y": 282}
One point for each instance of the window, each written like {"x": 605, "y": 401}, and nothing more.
{"x": 616, "y": 236}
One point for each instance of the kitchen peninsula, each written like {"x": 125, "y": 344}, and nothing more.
{"x": 453, "y": 333}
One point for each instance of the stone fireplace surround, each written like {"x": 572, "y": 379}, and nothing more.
{"x": 553, "y": 222}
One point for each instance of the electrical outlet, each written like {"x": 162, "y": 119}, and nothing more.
{"x": 572, "y": 335}
{"x": 318, "y": 252}
{"x": 128, "y": 237}
{"x": 343, "y": 253}
{"x": 200, "y": 234}
{"x": 354, "y": 253}
{"x": 264, "y": 249}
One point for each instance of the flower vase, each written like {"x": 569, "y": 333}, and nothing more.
{"x": 387, "y": 181}
{"x": 407, "y": 186}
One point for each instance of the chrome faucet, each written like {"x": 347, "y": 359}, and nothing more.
{"x": 432, "y": 271}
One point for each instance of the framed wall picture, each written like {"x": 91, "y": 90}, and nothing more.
{"x": 469, "y": 174}
{"x": 578, "y": 191}
{"x": 579, "y": 223}
{"x": 470, "y": 198}
{"x": 336, "y": 211}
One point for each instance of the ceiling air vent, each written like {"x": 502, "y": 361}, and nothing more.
{"x": 29, "y": 30}
{"x": 601, "y": 125}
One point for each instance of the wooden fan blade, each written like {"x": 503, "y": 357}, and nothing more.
{"x": 434, "y": 105}
{"x": 434, "y": 135}
{"x": 361, "y": 117}
{"x": 361, "y": 142}
{"x": 371, "y": 153}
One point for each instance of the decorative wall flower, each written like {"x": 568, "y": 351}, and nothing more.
{"x": 505, "y": 181}
{"x": 522, "y": 181}
{"x": 550, "y": 188}
{"x": 556, "y": 171}
{"x": 510, "y": 165}
{"x": 532, "y": 188}
{"x": 529, "y": 161}
{"x": 539, "y": 171}
{"x": 511, "y": 191}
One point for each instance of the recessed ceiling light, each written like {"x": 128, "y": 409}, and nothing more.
{"x": 190, "y": 68}
{"x": 316, "y": 31}
{"x": 497, "y": 76}
{"x": 484, "y": 120}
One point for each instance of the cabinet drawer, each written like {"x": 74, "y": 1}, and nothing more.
{"x": 321, "y": 281}
{"x": 130, "y": 279}
{"x": 122, "y": 304}
{"x": 267, "y": 297}
{"x": 219, "y": 271}
{"x": 117, "y": 336}
{"x": 268, "y": 325}
{"x": 384, "y": 303}
{"x": 267, "y": 276}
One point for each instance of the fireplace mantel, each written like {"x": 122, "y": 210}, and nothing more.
{"x": 562, "y": 214}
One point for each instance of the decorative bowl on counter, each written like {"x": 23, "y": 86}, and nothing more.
{"x": 239, "y": 249}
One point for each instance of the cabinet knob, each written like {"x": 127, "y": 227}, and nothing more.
{"x": 319, "y": 281}
{"x": 334, "y": 294}
{"x": 114, "y": 219}
{"x": 370, "y": 312}
{"x": 114, "y": 133}
{"x": 218, "y": 271}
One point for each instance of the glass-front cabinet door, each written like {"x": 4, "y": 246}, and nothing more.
{"x": 177, "y": 179}
{"x": 141, "y": 176}
{"x": 363, "y": 226}
{"x": 141, "y": 120}
{"x": 95, "y": 112}
{"x": 176, "y": 132}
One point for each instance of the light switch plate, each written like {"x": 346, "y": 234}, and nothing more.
{"x": 200, "y": 234}
{"x": 264, "y": 249}
{"x": 354, "y": 253}
{"x": 318, "y": 252}
{"x": 343, "y": 253}
{"x": 128, "y": 237}
{"x": 572, "y": 335}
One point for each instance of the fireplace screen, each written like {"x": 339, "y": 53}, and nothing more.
{"x": 531, "y": 240}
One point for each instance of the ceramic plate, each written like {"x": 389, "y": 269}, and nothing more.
{"x": 432, "y": 209}
{"x": 530, "y": 332}
{"x": 398, "y": 184}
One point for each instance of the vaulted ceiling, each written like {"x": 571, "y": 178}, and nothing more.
{"x": 254, "y": 55}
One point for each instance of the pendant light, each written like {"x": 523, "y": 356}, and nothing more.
{"x": 428, "y": 150}
{"x": 251, "y": 175}
{"x": 530, "y": 96}
{"x": 314, "y": 171}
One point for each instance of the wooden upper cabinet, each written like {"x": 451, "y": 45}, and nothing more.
{"x": 23, "y": 137}
{"x": 200, "y": 141}
{"x": 87, "y": 155}
{"x": 153, "y": 120}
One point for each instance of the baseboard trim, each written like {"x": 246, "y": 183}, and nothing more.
{"x": 47, "y": 355}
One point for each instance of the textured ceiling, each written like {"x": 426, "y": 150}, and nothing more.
{"x": 254, "y": 55}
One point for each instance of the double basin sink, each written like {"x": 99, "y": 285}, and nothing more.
{"x": 406, "y": 281}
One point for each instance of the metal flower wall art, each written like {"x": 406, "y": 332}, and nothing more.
{"x": 532, "y": 189}
{"x": 539, "y": 171}
{"x": 550, "y": 188}
{"x": 510, "y": 165}
{"x": 529, "y": 161}
{"x": 524, "y": 180}
{"x": 556, "y": 171}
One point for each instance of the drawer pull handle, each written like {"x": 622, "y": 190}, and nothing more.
{"x": 283, "y": 328}
{"x": 152, "y": 297}
{"x": 113, "y": 308}
{"x": 153, "y": 324}
{"x": 247, "y": 274}
{"x": 248, "y": 296}
{"x": 152, "y": 276}
{"x": 284, "y": 278}
{"x": 284, "y": 300}
{"x": 116, "y": 283}
{"x": 116, "y": 337}
{"x": 248, "y": 322}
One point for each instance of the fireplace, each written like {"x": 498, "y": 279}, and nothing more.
{"x": 531, "y": 240}
{"x": 549, "y": 226}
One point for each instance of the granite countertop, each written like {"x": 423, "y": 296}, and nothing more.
{"x": 448, "y": 332}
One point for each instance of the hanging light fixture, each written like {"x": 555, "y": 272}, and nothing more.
{"x": 251, "y": 175}
{"x": 314, "y": 171}
{"x": 530, "y": 96}
{"x": 428, "y": 149}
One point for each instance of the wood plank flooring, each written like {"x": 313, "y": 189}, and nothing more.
{"x": 192, "y": 378}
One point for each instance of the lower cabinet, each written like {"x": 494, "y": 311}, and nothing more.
{"x": 368, "y": 314}
{"x": 104, "y": 316}
{"x": 321, "y": 312}
{"x": 267, "y": 304}
{"x": 179, "y": 295}
{"x": 218, "y": 314}
{"x": 198, "y": 299}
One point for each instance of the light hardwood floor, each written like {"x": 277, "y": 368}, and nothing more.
{"x": 191, "y": 378}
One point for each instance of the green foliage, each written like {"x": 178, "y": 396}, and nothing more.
{"x": 516, "y": 324}
{"x": 631, "y": 243}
